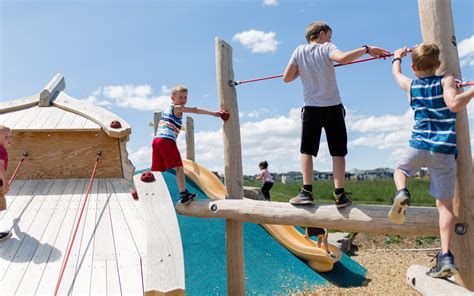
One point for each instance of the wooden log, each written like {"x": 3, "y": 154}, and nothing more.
{"x": 437, "y": 26}
{"x": 190, "y": 139}
{"x": 164, "y": 261}
{"x": 51, "y": 90}
{"x": 360, "y": 218}
{"x": 156, "y": 121}
{"x": 426, "y": 285}
{"x": 232, "y": 166}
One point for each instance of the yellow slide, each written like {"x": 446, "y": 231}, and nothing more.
{"x": 286, "y": 235}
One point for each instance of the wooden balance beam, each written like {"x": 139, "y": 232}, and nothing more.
{"x": 360, "y": 218}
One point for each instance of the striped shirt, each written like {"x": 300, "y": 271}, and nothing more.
{"x": 169, "y": 125}
{"x": 435, "y": 124}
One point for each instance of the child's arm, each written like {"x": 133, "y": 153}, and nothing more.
{"x": 180, "y": 109}
{"x": 291, "y": 73}
{"x": 402, "y": 81}
{"x": 259, "y": 177}
{"x": 453, "y": 100}
{"x": 344, "y": 57}
{"x": 2, "y": 177}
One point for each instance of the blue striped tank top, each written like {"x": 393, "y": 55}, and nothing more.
{"x": 170, "y": 125}
{"x": 435, "y": 124}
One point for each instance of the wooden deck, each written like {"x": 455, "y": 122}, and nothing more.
{"x": 106, "y": 257}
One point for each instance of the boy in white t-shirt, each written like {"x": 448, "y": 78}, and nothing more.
{"x": 313, "y": 62}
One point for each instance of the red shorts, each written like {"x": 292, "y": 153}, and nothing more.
{"x": 165, "y": 155}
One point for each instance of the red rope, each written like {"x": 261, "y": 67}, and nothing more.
{"x": 63, "y": 267}
{"x": 237, "y": 82}
{"x": 24, "y": 155}
{"x": 460, "y": 83}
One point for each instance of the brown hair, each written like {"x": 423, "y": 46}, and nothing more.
{"x": 178, "y": 88}
{"x": 4, "y": 128}
{"x": 425, "y": 56}
{"x": 313, "y": 30}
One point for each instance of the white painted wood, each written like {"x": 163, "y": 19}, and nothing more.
{"x": 127, "y": 253}
{"x": 428, "y": 286}
{"x": 98, "y": 283}
{"x": 94, "y": 113}
{"x": 54, "y": 86}
{"x": 164, "y": 270}
{"x": 46, "y": 247}
{"x": 13, "y": 119}
{"x": 103, "y": 239}
{"x": 55, "y": 260}
{"x": 22, "y": 220}
{"x": 15, "y": 188}
{"x": 27, "y": 116}
{"x": 30, "y": 242}
{"x": 66, "y": 121}
{"x": 18, "y": 104}
{"x": 53, "y": 119}
{"x": 44, "y": 116}
{"x": 360, "y": 218}
{"x": 4, "y": 116}
{"x": 113, "y": 282}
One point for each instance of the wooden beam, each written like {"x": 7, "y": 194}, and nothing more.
{"x": 232, "y": 166}
{"x": 190, "y": 139}
{"x": 428, "y": 286}
{"x": 437, "y": 26}
{"x": 51, "y": 90}
{"x": 156, "y": 121}
{"x": 361, "y": 218}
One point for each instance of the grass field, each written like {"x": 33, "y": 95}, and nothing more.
{"x": 363, "y": 192}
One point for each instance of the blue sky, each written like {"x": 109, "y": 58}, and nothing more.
{"x": 126, "y": 55}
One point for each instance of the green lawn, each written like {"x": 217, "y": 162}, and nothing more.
{"x": 363, "y": 192}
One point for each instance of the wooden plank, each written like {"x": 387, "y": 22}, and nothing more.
{"x": 51, "y": 90}
{"x": 360, "y": 218}
{"x": 127, "y": 253}
{"x": 190, "y": 139}
{"x": 44, "y": 116}
{"x": 53, "y": 120}
{"x": 22, "y": 220}
{"x": 232, "y": 165}
{"x": 46, "y": 248}
{"x": 428, "y": 286}
{"x": 66, "y": 121}
{"x": 127, "y": 166}
{"x": 164, "y": 271}
{"x": 15, "y": 188}
{"x": 4, "y": 117}
{"x": 28, "y": 116}
{"x": 94, "y": 113}
{"x": 113, "y": 281}
{"x": 13, "y": 119}
{"x": 18, "y": 104}
{"x": 30, "y": 242}
{"x": 103, "y": 239}
{"x": 62, "y": 155}
{"x": 50, "y": 275}
{"x": 98, "y": 282}
{"x": 437, "y": 26}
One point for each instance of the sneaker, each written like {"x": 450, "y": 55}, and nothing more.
{"x": 5, "y": 235}
{"x": 444, "y": 267}
{"x": 401, "y": 201}
{"x": 187, "y": 197}
{"x": 305, "y": 197}
{"x": 343, "y": 200}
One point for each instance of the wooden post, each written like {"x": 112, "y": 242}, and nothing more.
{"x": 190, "y": 139}
{"x": 156, "y": 121}
{"x": 232, "y": 167}
{"x": 437, "y": 26}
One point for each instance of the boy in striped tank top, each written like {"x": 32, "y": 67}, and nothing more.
{"x": 435, "y": 101}
{"x": 166, "y": 155}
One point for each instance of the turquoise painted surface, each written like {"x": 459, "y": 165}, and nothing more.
{"x": 270, "y": 269}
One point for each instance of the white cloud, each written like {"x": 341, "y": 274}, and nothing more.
{"x": 384, "y": 123}
{"x": 138, "y": 97}
{"x": 257, "y": 41}
{"x": 141, "y": 158}
{"x": 270, "y": 2}
{"x": 466, "y": 51}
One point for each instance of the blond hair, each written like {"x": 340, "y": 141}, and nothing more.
{"x": 4, "y": 128}
{"x": 313, "y": 30}
{"x": 425, "y": 57}
{"x": 178, "y": 88}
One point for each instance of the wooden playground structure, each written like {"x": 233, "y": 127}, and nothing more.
{"x": 436, "y": 27}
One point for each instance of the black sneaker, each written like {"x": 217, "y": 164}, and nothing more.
{"x": 5, "y": 235}
{"x": 343, "y": 200}
{"x": 444, "y": 267}
{"x": 187, "y": 197}
{"x": 400, "y": 203}
{"x": 305, "y": 197}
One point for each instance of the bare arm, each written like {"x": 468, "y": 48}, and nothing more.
{"x": 291, "y": 73}
{"x": 6, "y": 187}
{"x": 180, "y": 109}
{"x": 402, "y": 81}
{"x": 344, "y": 57}
{"x": 453, "y": 100}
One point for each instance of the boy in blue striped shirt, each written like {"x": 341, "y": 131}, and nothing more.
{"x": 435, "y": 101}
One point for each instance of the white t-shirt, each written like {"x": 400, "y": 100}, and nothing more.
{"x": 317, "y": 74}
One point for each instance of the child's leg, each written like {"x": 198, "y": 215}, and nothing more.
{"x": 400, "y": 179}
{"x": 446, "y": 218}
{"x": 180, "y": 179}
{"x": 320, "y": 238}
{"x": 339, "y": 171}
{"x": 307, "y": 168}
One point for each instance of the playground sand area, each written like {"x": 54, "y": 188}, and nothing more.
{"x": 387, "y": 260}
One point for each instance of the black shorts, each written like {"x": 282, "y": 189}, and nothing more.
{"x": 331, "y": 118}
